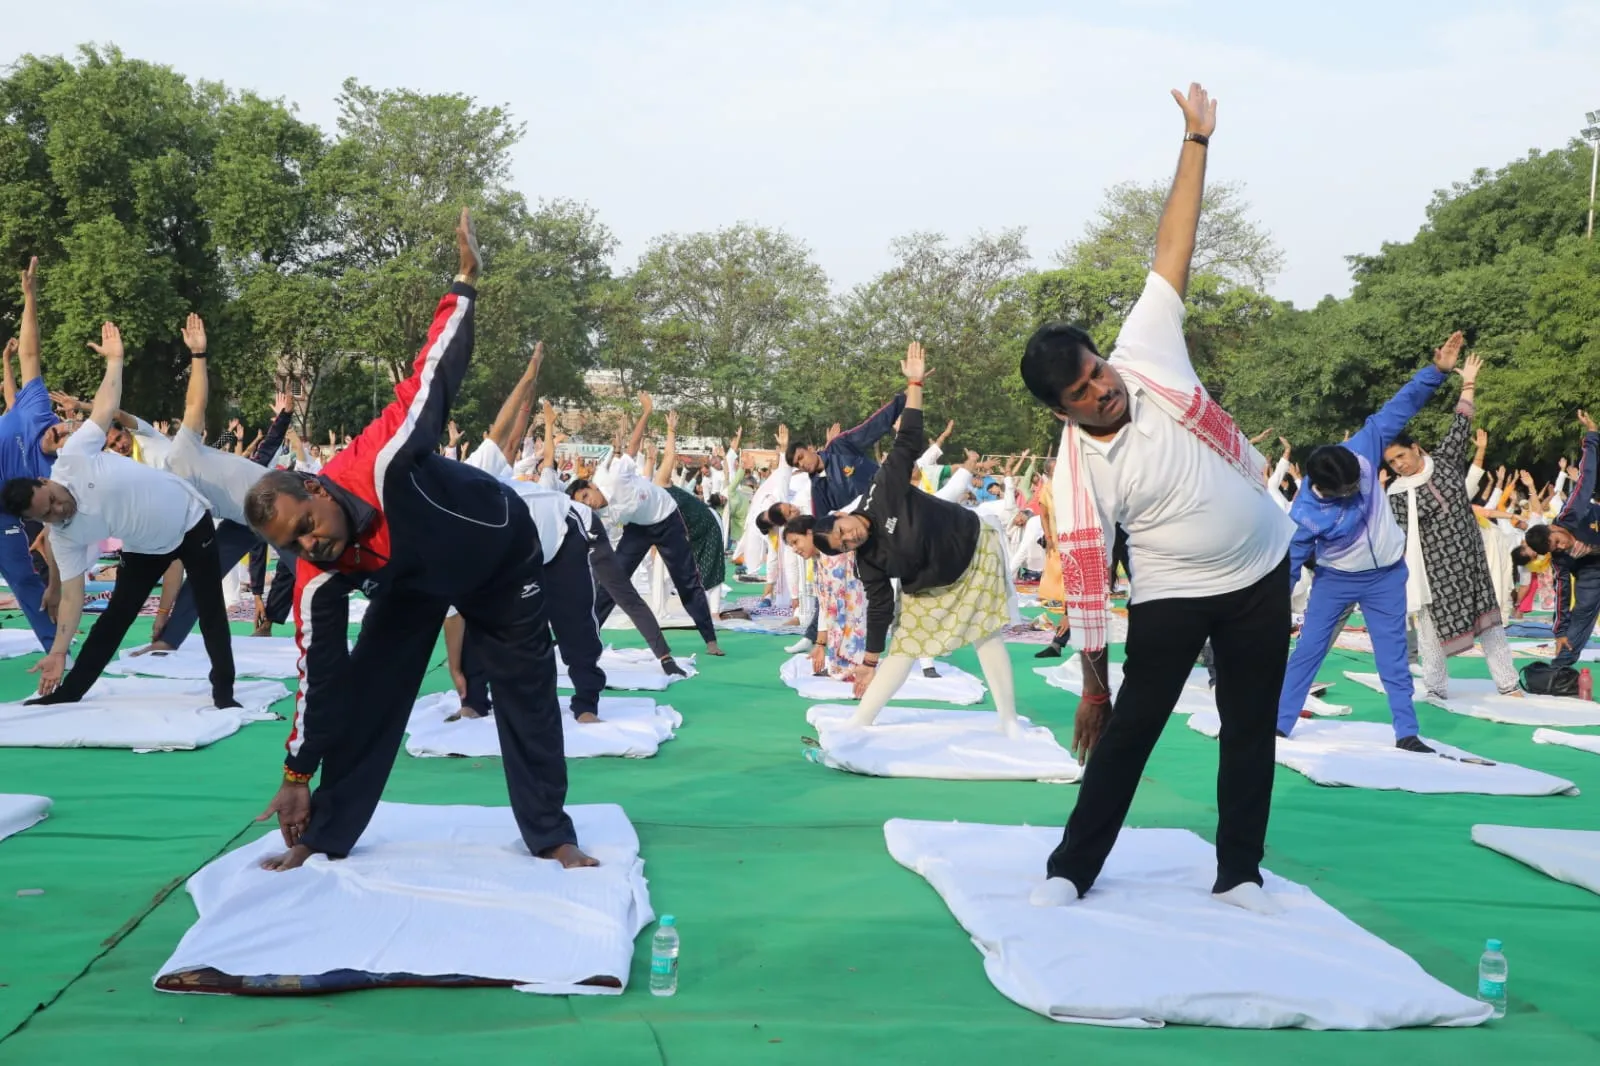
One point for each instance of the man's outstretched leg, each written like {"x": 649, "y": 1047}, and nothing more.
{"x": 570, "y": 593}
{"x": 136, "y": 576}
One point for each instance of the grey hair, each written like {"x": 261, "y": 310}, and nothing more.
{"x": 261, "y": 502}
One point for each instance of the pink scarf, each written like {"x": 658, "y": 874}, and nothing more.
{"x": 1081, "y": 539}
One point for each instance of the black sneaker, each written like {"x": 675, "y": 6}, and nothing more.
{"x": 928, "y": 671}
{"x": 1415, "y": 744}
{"x": 670, "y": 667}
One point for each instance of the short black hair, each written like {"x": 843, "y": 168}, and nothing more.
{"x": 577, "y": 485}
{"x": 17, "y": 496}
{"x": 716, "y": 501}
{"x": 800, "y": 525}
{"x": 1333, "y": 469}
{"x": 1403, "y": 439}
{"x": 260, "y": 503}
{"x": 1522, "y": 555}
{"x": 821, "y": 530}
{"x": 1053, "y": 360}
{"x": 793, "y": 453}
{"x": 775, "y": 515}
{"x": 1537, "y": 537}
{"x": 763, "y": 523}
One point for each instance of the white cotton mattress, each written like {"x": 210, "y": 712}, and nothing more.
{"x": 943, "y": 744}
{"x": 15, "y": 643}
{"x": 631, "y": 670}
{"x": 953, "y": 685}
{"x": 1581, "y": 741}
{"x": 1363, "y": 755}
{"x": 1148, "y": 946}
{"x": 141, "y": 713}
{"x": 1477, "y": 697}
{"x": 275, "y": 657}
{"x": 430, "y": 891}
{"x": 19, "y": 812}
{"x": 633, "y": 728}
{"x": 1570, "y": 855}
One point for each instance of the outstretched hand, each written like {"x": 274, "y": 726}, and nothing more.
{"x": 11, "y": 349}
{"x": 110, "y": 345}
{"x": 1469, "y": 369}
{"x": 1199, "y": 110}
{"x": 646, "y": 403}
{"x": 783, "y": 439}
{"x": 30, "y": 279}
{"x": 194, "y": 335}
{"x": 1448, "y": 354}
{"x": 915, "y": 365}
{"x": 282, "y": 403}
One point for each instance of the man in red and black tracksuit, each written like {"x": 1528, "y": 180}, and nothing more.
{"x": 415, "y": 532}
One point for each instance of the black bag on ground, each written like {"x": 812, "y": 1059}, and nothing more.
{"x": 1542, "y": 679}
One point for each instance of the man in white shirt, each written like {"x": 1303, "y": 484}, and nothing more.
{"x": 222, "y": 478}
{"x": 1145, "y": 448}
{"x": 93, "y": 495}
{"x": 649, "y": 518}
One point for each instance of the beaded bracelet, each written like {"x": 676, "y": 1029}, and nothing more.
{"x": 292, "y": 778}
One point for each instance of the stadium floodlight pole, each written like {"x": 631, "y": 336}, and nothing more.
{"x": 1592, "y": 135}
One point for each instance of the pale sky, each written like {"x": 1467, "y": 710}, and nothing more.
{"x": 848, "y": 124}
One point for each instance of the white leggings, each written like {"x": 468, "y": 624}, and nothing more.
{"x": 1431, "y": 656}
{"x": 894, "y": 669}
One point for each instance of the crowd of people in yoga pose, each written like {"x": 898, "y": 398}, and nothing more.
{"x": 884, "y": 556}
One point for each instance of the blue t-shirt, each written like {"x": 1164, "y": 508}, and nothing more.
{"x": 20, "y": 430}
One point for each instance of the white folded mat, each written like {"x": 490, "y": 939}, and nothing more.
{"x": 631, "y": 669}
{"x": 1363, "y": 755}
{"x": 1196, "y": 694}
{"x": 1149, "y": 946}
{"x": 634, "y": 728}
{"x": 1477, "y": 697}
{"x": 1570, "y": 855}
{"x": 252, "y": 657}
{"x": 948, "y": 745}
{"x": 953, "y": 685}
{"x": 1582, "y": 741}
{"x": 142, "y": 713}
{"x": 431, "y": 891}
{"x": 15, "y": 643}
{"x": 19, "y": 812}
{"x": 1546, "y": 649}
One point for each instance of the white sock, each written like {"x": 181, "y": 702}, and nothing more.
{"x": 1054, "y": 892}
{"x": 1250, "y": 897}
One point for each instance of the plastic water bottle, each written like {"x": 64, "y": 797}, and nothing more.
{"x": 664, "y": 958}
{"x": 1585, "y": 684}
{"x": 1492, "y": 971}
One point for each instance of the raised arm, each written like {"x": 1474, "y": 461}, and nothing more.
{"x": 109, "y": 395}
{"x": 669, "y": 452}
{"x": 283, "y": 414}
{"x": 414, "y": 422}
{"x": 199, "y": 390}
{"x": 875, "y": 428}
{"x": 1380, "y": 429}
{"x": 646, "y": 405}
{"x": 1452, "y": 452}
{"x": 1180, "y": 220}
{"x": 1578, "y": 500}
{"x": 911, "y": 440}
{"x": 28, "y": 333}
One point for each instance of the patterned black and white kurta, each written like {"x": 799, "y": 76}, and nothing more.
{"x": 1464, "y": 602}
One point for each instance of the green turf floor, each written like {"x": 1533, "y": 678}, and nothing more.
{"x": 803, "y": 941}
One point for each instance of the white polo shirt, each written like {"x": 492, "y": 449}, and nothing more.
{"x": 224, "y": 479}
{"x": 1195, "y": 525}
{"x": 548, "y": 506}
{"x": 634, "y": 499}
{"x": 154, "y": 445}
{"x": 149, "y": 510}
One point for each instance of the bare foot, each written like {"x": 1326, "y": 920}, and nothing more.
{"x": 469, "y": 712}
{"x": 292, "y": 859}
{"x": 160, "y": 647}
{"x": 568, "y": 856}
{"x": 714, "y": 649}
{"x": 587, "y": 717}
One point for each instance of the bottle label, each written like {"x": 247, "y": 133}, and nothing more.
{"x": 1488, "y": 989}
{"x": 661, "y": 965}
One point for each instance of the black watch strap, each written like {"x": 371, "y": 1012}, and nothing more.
{"x": 1198, "y": 138}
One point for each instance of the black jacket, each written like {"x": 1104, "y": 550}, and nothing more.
{"x": 925, "y": 542}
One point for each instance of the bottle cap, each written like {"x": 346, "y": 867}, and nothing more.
{"x": 1494, "y": 945}
{"x": 667, "y": 919}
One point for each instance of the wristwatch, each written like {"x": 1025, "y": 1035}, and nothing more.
{"x": 1198, "y": 138}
